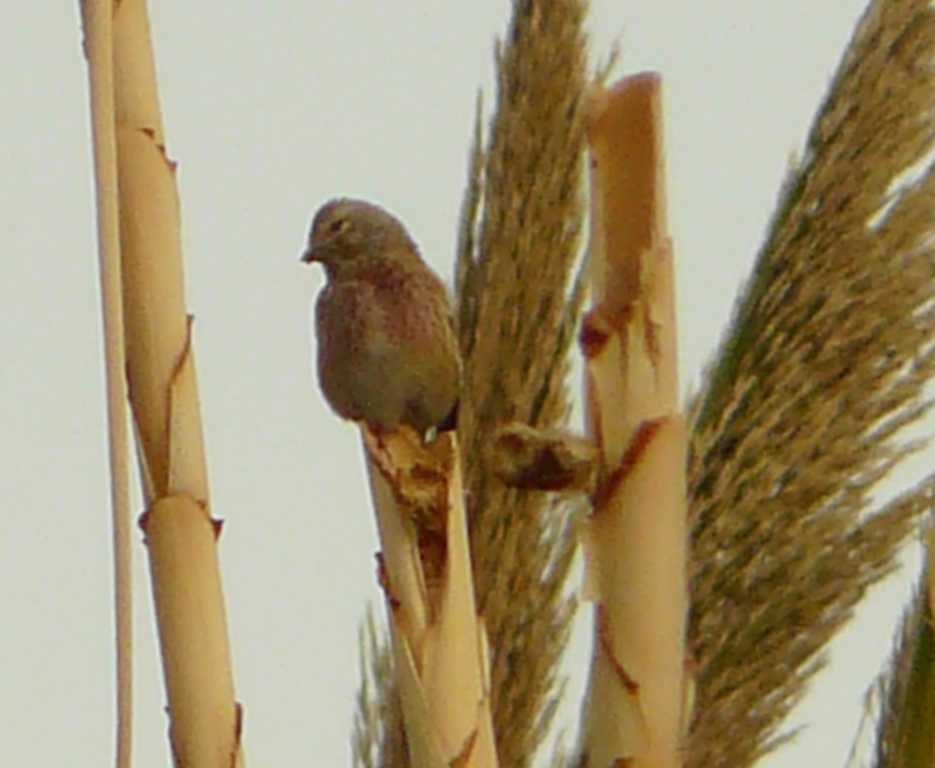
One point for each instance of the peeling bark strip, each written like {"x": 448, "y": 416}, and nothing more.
{"x": 635, "y": 541}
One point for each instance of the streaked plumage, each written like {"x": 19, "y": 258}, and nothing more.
{"x": 387, "y": 351}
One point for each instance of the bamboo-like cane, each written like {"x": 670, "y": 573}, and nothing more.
{"x": 439, "y": 643}
{"x": 636, "y": 539}
{"x": 98, "y": 44}
{"x": 180, "y": 534}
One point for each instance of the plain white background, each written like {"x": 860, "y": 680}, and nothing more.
{"x": 270, "y": 108}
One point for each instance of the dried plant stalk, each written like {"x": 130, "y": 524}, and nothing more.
{"x": 636, "y": 538}
{"x": 439, "y": 644}
{"x": 98, "y": 45}
{"x": 182, "y": 544}
{"x": 181, "y": 536}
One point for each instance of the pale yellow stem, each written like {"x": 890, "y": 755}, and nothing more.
{"x": 636, "y": 539}
{"x": 205, "y": 726}
{"x": 180, "y": 534}
{"x": 98, "y": 46}
{"x": 439, "y": 642}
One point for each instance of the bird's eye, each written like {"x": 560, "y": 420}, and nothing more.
{"x": 338, "y": 225}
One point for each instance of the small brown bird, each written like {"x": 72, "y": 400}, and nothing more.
{"x": 387, "y": 351}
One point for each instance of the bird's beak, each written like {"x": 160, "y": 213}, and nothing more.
{"x": 309, "y": 256}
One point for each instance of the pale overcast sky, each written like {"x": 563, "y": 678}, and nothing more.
{"x": 270, "y": 108}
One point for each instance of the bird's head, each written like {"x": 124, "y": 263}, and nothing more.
{"x": 348, "y": 236}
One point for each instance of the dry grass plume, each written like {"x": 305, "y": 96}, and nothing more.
{"x": 520, "y": 239}
{"x": 824, "y": 364}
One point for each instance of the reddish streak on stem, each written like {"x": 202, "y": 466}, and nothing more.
{"x": 603, "y": 634}
{"x": 641, "y": 439}
{"x": 594, "y": 333}
{"x": 383, "y": 579}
